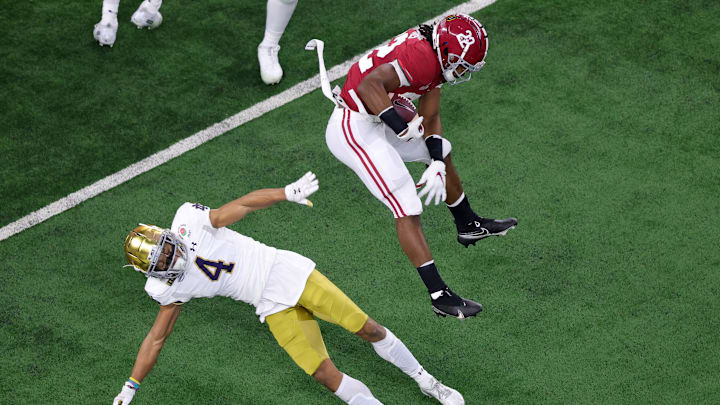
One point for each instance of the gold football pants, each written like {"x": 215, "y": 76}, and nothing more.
{"x": 296, "y": 329}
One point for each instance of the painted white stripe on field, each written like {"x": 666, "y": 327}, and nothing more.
{"x": 200, "y": 138}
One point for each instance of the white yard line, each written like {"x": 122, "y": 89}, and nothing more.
{"x": 199, "y": 138}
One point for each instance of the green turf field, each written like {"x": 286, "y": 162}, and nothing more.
{"x": 596, "y": 124}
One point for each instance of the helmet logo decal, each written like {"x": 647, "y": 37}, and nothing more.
{"x": 465, "y": 39}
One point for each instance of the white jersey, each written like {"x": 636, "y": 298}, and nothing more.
{"x": 222, "y": 262}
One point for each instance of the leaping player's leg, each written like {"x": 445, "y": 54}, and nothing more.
{"x": 105, "y": 31}
{"x": 470, "y": 226}
{"x": 360, "y": 143}
{"x": 297, "y": 331}
{"x": 279, "y": 13}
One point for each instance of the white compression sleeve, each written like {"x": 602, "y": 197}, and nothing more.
{"x": 110, "y": 6}
{"x": 279, "y": 13}
{"x": 354, "y": 392}
{"x": 394, "y": 350}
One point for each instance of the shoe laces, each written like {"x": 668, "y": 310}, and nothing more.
{"x": 271, "y": 51}
{"x": 441, "y": 391}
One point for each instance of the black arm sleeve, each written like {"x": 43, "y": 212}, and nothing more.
{"x": 393, "y": 120}
{"x": 434, "y": 145}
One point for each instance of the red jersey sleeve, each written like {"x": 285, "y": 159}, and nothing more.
{"x": 419, "y": 63}
{"x": 419, "y": 69}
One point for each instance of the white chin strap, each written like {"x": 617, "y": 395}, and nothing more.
{"x": 449, "y": 76}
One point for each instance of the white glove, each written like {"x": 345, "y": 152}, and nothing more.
{"x": 125, "y": 396}
{"x": 434, "y": 180}
{"x": 301, "y": 189}
{"x": 415, "y": 130}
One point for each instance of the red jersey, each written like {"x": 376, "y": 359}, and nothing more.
{"x": 415, "y": 62}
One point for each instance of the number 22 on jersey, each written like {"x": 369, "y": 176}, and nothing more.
{"x": 213, "y": 269}
{"x": 366, "y": 61}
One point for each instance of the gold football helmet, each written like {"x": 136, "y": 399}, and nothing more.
{"x": 146, "y": 244}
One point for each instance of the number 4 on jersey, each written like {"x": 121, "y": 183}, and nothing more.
{"x": 213, "y": 269}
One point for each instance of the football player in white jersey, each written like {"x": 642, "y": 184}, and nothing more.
{"x": 199, "y": 257}
{"x": 148, "y": 16}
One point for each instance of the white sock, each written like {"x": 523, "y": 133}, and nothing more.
{"x": 110, "y": 7}
{"x": 354, "y": 392}
{"x": 278, "y": 17}
{"x": 156, "y": 3}
{"x": 394, "y": 350}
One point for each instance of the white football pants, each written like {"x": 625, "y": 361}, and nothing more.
{"x": 373, "y": 151}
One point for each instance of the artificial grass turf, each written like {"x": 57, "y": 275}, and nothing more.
{"x": 601, "y": 142}
{"x": 73, "y": 112}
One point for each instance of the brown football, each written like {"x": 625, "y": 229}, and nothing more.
{"x": 404, "y": 107}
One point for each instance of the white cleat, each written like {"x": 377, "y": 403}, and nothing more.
{"x": 431, "y": 387}
{"x": 147, "y": 15}
{"x": 270, "y": 70}
{"x": 105, "y": 31}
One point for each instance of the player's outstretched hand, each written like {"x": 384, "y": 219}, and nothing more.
{"x": 125, "y": 396}
{"x": 415, "y": 130}
{"x": 300, "y": 190}
{"x": 434, "y": 180}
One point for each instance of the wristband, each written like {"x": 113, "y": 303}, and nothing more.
{"x": 134, "y": 384}
{"x": 434, "y": 144}
{"x": 393, "y": 120}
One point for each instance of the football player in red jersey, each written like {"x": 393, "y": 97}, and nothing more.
{"x": 367, "y": 134}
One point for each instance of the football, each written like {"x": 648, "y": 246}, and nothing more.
{"x": 404, "y": 107}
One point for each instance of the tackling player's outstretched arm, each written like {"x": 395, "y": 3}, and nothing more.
{"x": 149, "y": 351}
{"x": 237, "y": 209}
{"x": 154, "y": 341}
{"x": 259, "y": 199}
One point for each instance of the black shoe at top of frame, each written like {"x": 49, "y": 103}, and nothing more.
{"x": 450, "y": 304}
{"x": 480, "y": 228}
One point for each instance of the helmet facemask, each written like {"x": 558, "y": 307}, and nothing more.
{"x": 156, "y": 252}
{"x": 452, "y": 61}
{"x": 451, "y": 74}
{"x": 175, "y": 258}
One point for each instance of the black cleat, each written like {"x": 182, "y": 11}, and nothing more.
{"x": 449, "y": 304}
{"x": 480, "y": 228}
